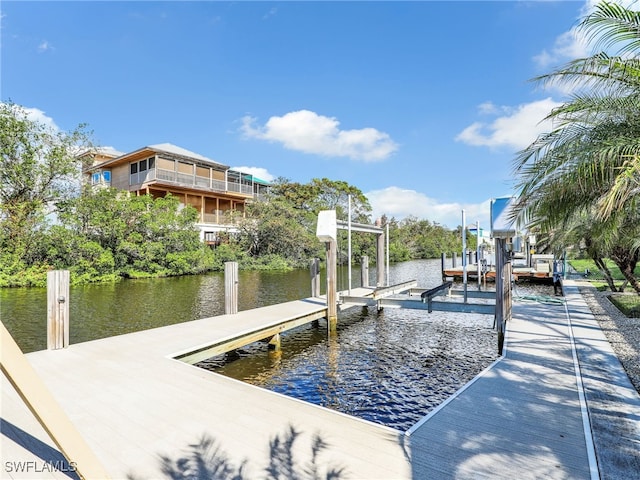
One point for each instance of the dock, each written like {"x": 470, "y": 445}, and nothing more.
{"x": 519, "y": 273}
{"x": 143, "y": 409}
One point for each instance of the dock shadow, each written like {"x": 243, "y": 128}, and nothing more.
{"x": 51, "y": 459}
{"x": 207, "y": 460}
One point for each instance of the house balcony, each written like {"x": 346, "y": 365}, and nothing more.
{"x": 221, "y": 217}
{"x": 207, "y": 184}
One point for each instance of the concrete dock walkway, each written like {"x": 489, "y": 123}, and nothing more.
{"x": 143, "y": 412}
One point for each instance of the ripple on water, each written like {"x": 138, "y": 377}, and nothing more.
{"x": 390, "y": 368}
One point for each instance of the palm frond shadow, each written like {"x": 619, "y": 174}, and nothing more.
{"x": 207, "y": 460}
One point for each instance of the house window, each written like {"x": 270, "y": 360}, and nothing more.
{"x": 143, "y": 165}
{"x": 101, "y": 178}
{"x": 134, "y": 168}
{"x": 152, "y": 162}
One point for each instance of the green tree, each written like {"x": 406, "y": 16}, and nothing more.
{"x": 143, "y": 236}
{"x": 589, "y": 164}
{"x": 38, "y": 169}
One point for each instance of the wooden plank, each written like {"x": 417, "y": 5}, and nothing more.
{"x": 46, "y": 409}
{"x": 246, "y": 338}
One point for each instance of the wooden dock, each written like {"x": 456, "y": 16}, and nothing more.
{"x": 142, "y": 410}
{"x": 519, "y": 273}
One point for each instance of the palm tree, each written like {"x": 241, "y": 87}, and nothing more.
{"x": 589, "y": 164}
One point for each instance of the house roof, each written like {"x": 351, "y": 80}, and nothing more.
{"x": 108, "y": 151}
{"x": 183, "y": 152}
{"x": 167, "y": 148}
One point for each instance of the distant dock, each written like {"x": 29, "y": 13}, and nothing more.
{"x": 135, "y": 399}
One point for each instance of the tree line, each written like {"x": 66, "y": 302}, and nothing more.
{"x": 50, "y": 220}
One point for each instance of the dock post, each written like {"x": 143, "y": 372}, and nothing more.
{"x": 503, "y": 290}
{"x": 364, "y": 271}
{"x": 275, "y": 344}
{"x": 478, "y": 253}
{"x": 443, "y": 259}
{"x": 464, "y": 254}
{"x": 315, "y": 277}
{"x": 454, "y": 259}
{"x": 332, "y": 294}
{"x": 57, "y": 309}
{"x": 380, "y": 257}
{"x": 327, "y": 232}
{"x": 230, "y": 287}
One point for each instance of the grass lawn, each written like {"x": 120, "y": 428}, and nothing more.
{"x": 627, "y": 304}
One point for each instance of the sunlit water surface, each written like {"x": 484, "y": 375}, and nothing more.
{"x": 390, "y": 367}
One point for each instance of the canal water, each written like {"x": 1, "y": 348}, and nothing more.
{"x": 390, "y": 367}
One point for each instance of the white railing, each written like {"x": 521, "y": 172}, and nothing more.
{"x": 191, "y": 180}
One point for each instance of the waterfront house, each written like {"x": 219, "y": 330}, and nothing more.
{"x": 216, "y": 191}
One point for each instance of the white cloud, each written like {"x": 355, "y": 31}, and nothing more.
{"x": 258, "y": 172}
{"x": 272, "y": 11}
{"x": 38, "y": 116}
{"x": 572, "y": 44}
{"x": 517, "y": 128}
{"x": 400, "y": 203}
{"x": 45, "y": 46}
{"x": 567, "y": 46}
{"x": 308, "y": 132}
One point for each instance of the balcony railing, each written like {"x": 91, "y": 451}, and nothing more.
{"x": 190, "y": 180}
{"x": 223, "y": 217}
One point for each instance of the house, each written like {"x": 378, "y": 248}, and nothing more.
{"x": 219, "y": 193}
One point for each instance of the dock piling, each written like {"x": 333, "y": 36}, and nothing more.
{"x": 57, "y": 309}
{"x": 380, "y": 256}
{"x": 315, "y": 277}
{"x": 364, "y": 271}
{"x": 230, "y": 287}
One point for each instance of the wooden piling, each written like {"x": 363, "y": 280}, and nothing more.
{"x": 274, "y": 343}
{"x": 230, "y": 287}
{"x": 332, "y": 293}
{"x": 364, "y": 271}
{"x": 380, "y": 257}
{"x": 443, "y": 259}
{"x": 503, "y": 290}
{"x": 315, "y": 277}
{"x": 57, "y": 309}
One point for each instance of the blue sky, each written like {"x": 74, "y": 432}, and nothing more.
{"x": 421, "y": 105}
